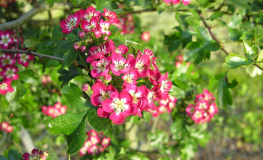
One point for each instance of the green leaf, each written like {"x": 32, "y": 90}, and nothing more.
{"x": 70, "y": 57}
{"x": 66, "y": 123}
{"x": 213, "y": 84}
{"x": 118, "y": 10}
{"x": 113, "y": 30}
{"x": 179, "y": 20}
{"x": 204, "y": 33}
{"x": 223, "y": 95}
{"x": 234, "y": 34}
{"x": 74, "y": 96}
{"x": 56, "y": 32}
{"x": 174, "y": 44}
{"x": 253, "y": 71}
{"x": 67, "y": 75}
{"x": 3, "y": 158}
{"x": 234, "y": 61}
{"x": 76, "y": 139}
{"x": 176, "y": 92}
{"x": 31, "y": 43}
{"x": 98, "y": 123}
{"x": 14, "y": 155}
{"x": 235, "y": 20}
{"x": 53, "y": 63}
{"x": 250, "y": 51}
{"x": 216, "y": 15}
{"x": 111, "y": 154}
{"x": 144, "y": 3}
{"x": 212, "y": 46}
{"x": 28, "y": 76}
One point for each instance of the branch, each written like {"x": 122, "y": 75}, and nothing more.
{"x": 213, "y": 36}
{"x": 33, "y": 53}
{"x": 29, "y": 15}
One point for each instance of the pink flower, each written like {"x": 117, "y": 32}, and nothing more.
{"x": 164, "y": 86}
{"x": 93, "y": 149}
{"x": 3, "y": 126}
{"x": 9, "y": 72}
{"x": 7, "y": 60}
{"x": 89, "y": 13}
{"x": 119, "y": 106}
{"x": 81, "y": 34}
{"x": 120, "y": 65}
{"x": 94, "y": 140}
{"x": 130, "y": 77}
{"x": 76, "y": 46}
{"x": 97, "y": 34}
{"x": 213, "y": 109}
{"x": 111, "y": 15}
{"x": 142, "y": 64}
{"x": 105, "y": 38}
{"x": 100, "y": 93}
{"x": 101, "y": 67}
{"x": 151, "y": 97}
{"x": 83, "y": 49}
{"x": 85, "y": 87}
{"x": 190, "y": 110}
{"x": 70, "y": 23}
{"x": 9, "y": 129}
{"x": 186, "y": 2}
{"x": 105, "y": 142}
{"x": 90, "y": 26}
{"x": 5, "y": 39}
{"x": 202, "y": 105}
{"x": 146, "y": 36}
{"x": 26, "y": 156}
{"x": 121, "y": 49}
{"x": 24, "y": 58}
{"x": 105, "y": 27}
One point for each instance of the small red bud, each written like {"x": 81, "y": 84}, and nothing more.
{"x": 81, "y": 34}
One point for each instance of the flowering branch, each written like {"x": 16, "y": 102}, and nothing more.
{"x": 27, "y": 16}
{"x": 33, "y": 53}
{"x": 213, "y": 36}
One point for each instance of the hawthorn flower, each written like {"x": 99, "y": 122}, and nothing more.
{"x": 70, "y": 23}
{"x": 101, "y": 67}
{"x": 7, "y": 60}
{"x": 89, "y": 13}
{"x": 146, "y": 36}
{"x": 190, "y": 110}
{"x": 10, "y": 72}
{"x": 142, "y": 64}
{"x": 105, "y": 142}
{"x": 121, "y": 49}
{"x": 202, "y": 105}
{"x": 24, "y": 58}
{"x": 93, "y": 149}
{"x": 186, "y": 2}
{"x": 105, "y": 27}
{"x": 164, "y": 86}
{"x": 121, "y": 65}
{"x": 3, "y": 125}
{"x": 5, "y": 39}
{"x": 130, "y": 77}
{"x": 100, "y": 93}
{"x": 119, "y": 106}
{"x": 213, "y": 109}
{"x": 90, "y": 26}
{"x": 111, "y": 15}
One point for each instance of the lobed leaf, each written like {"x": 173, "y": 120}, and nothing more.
{"x": 98, "y": 123}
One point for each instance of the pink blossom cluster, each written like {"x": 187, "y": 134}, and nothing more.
{"x": 185, "y": 2}
{"x": 90, "y": 21}
{"x": 46, "y": 79}
{"x": 5, "y": 3}
{"x": 55, "y": 110}
{"x": 179, "y": 61}
{"x": 203, "y": 109}
{"x": 165, "y": 106}
{"x": 4, "y": 126}
{"x": 122, "y": 97}
{"x": 95, "y": 143}
{"x": 126, "y": 24}
{"x": 35, "y": 154}
{"x": 8, "y": 68}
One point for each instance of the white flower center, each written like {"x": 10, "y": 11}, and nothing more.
{"x": 150, "y": 97}
{"x": 101, "y": 65}
{"x": 5, "y": 40}
{"x": 104, "y": 95}
{"x": 119, "y": 105}
{"x": 24, "y": 58}
{"x": 140, "y": 65}
{"x": 164, "y": 86}
{"x": 71, "y": 23}
{"x": 3, "y": 86}
{"x": 9, "y": 72}
{"x": 129, "y": 78}
{"x": 119, "y": 65}
{"x": 202, "y": 106}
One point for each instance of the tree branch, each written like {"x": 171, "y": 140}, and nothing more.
{"x": 27, "y": 16}
{"x": 213, "y": 36}
{"x": 33, "y": 53}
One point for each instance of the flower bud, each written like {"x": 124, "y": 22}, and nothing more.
{"x": 85, "y": 87}
{"x": 146, "y": 36}
{"x": 81, "y": 34}
{"x": 83, "y": 49}
{"x": 9, "y": 129}
{"x": 107, "y": 78}
{"x": 106, "y": 38}
{"x": 76, "y": 46}
{"x": 97, "y": 34}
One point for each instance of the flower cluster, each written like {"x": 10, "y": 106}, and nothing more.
{"x": 46, "y": 79}
{"x": 146, "y": 36}
{"x": 185, "y": 2}
{"x": 90, "y": 21}
{"x": 179, "y": 61}
{"x": 4, "y": 126}
{"x": 126, "y": 24}
{"x": 35, "y": 154}
{"x": 8, "y": 69}
{"x": 165, "y": 105}
{"x": 55, "y": 110}
{"x": 5, "y": 3}
{"x": 203, "y": 109}
{"x": 95, "y": 143}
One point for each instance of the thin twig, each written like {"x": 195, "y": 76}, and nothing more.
{"x": 33, "y": 53}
